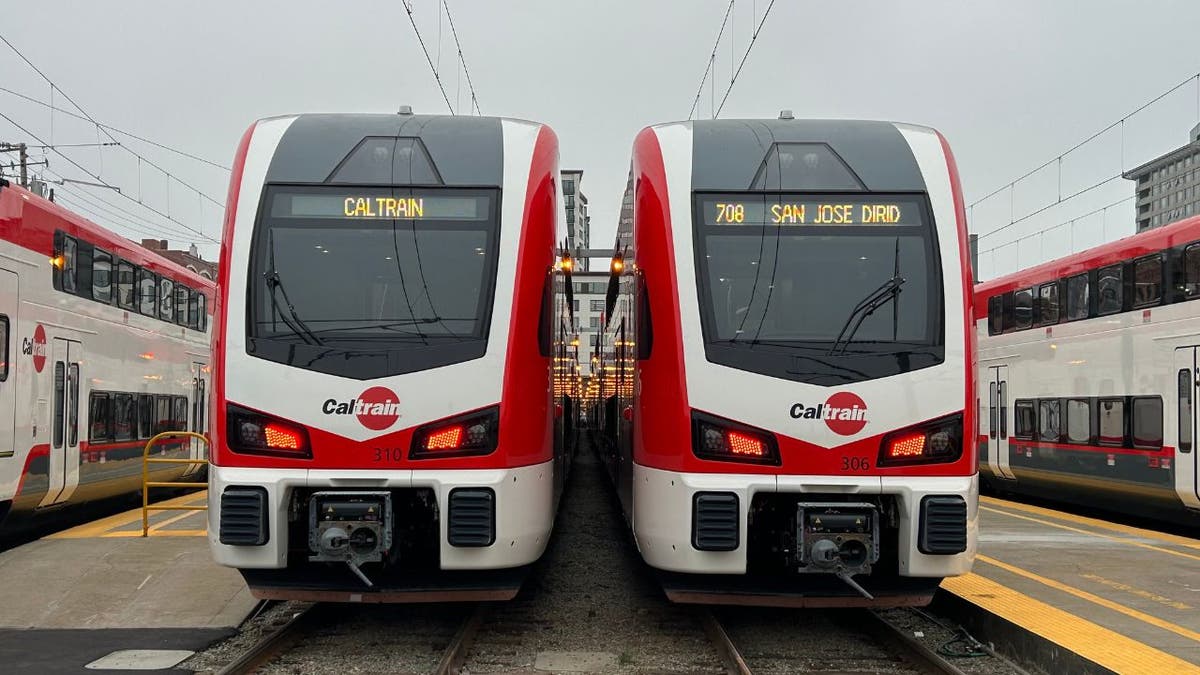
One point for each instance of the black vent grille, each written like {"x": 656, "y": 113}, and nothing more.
{"x": 244, "y": 516}
{"x": 715, "y": 521}
{"x": 943, "y": 525}
{"x": 472, "y": 519}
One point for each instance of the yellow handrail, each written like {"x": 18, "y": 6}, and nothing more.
{"x": 147, "y": 460}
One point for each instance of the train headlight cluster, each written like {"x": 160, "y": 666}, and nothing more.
{"x": 251, "y": 432}
{"x": 938, "y": 441}
{"x": 470, "y": 434}
{"x": 725, "y": 440}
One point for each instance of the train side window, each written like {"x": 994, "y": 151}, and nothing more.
{"x": 102, "y": 276}
{"x": 1023, "y": 308}
{"x": 3, "y": 347}
{"x": 1047, "y": 304}
{"x": 1077, "y": 297}
{"x": 73, "y": 405}
{"x": 1147, "y": 422}
{"x": 1108, "y": 290}
{"x": 147, "y": 292}
{"x": 99, "y": 418}
{"x": 145, "y": 416}
{"x": 162, "y": 414}
{"x": 995, "y": 316}
{"x": 1079, "y": 421}
{"x": 1006, "y": 311}
{"x": 1185, "y": 410}
{"x": 124, "y": 417}
{"x": 201, "y": 312}
{"x": 193, "y": 318}
{"x": 180, "y": 418}
{"x": 60, "y": 384}
{"x": 1049, "y": 420}
{"x": 1025, "y": 422}
{"x": 202, "y": 409}
{"x": 69, "y": 263}
{"x": 1003, "y": 410}
{"x": 992, "y": 410}
{"x": 1147, "y": 281}
{"x": 166, "y": 299}
{"x": 126, "y": 285}
{"x": 182, "y": 295}
{"x": 1191, "y": 271}
{"x": 1112, "y": 422}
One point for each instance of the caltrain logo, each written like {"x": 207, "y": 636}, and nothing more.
{"x": 36, "y": 347}
{"x": 844, "y": 413}
{"x": 376, "y": 408}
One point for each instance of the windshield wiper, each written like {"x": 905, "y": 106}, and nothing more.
{"x": 295, "y": 323}
{"x": 879, "y": 297}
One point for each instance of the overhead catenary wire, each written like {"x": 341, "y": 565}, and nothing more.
{"x": 746, "y": 55}
{"x": 1044, "y": 230}
{"x": 711, "y": 59}
{"x": 119, "y": 214}
{"x": 436, "y": 76}
{"x": 463, "y": 60}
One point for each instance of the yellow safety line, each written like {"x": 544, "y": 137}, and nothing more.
{"x": 1091, "y": 597}
{"x": 1123, "y": 540}
{"x": 1096, "y": 643}
{"x": 1084, "y": 520}
{"x": 100, "y": 527}
{"x": 173, "y": 519}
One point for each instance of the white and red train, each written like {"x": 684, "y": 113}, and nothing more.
{"x": 1088, "y": 374}
{"x": 788, "y": 363}
{"x": 387, "y": 425}
{"x": 103, "y": 344}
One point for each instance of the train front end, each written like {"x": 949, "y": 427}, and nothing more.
{"x": 384, "y": 429}
{"x": 797, "y": 321}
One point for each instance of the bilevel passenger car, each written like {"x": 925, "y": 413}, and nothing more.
{"x": 103, "y": 344}
{"x": 788, "y": 363}
{"x": 387, "y": 427}
{"x": 1088, "y": 375}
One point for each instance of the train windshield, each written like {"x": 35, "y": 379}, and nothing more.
{"x": 373, "y": 281}
{"x": 819, "y": 288}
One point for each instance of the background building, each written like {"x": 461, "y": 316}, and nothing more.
{"x": 1168, "y": 188}
{"x": 578, "y": 221}
{"x": 190, "y": 258}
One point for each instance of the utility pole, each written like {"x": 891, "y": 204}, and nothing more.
{"x": 23, "y": 159}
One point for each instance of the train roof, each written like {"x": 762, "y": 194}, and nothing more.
{"x": 30, "y": 221}
{"x": 1133, "y": 246}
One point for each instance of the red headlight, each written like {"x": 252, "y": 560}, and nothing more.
{"x": 729, "y": 441}
{"x": 470, "y": 434}
{"x": 932, "y": 442}
{"x": 251, "y": 432}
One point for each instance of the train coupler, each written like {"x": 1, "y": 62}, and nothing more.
{"x": 839, "y": 538}
{"x": 350, "y": 527}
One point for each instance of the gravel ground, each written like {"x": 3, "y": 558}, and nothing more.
{"x": 590, "y": 604}
{"x": 942, "y": 635}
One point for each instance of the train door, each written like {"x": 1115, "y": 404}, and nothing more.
{"x": 8, "y": 352}
{"x": 998, "y": 424}
{"x": 1187, "y": 385}
{"x": 67, "y": 357}
{"x": 199, "y": 422}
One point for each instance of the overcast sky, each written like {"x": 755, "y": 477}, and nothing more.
{"x": 1011, "y": 83}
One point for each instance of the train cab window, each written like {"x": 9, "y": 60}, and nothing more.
{"x": 1079, "y": 421}
{"x": 166, "y": 299}
{"x": 1186, "y": 386}
{"x": 147, "y": 292}
{"x": 1147, "y": 281}
{"x": 1025, "y": 420}
{"x": 3, "y": 348}
{"x": 70, "y": 259}
{"x": 1049, "y": 420}
{"x": 162, "y": 415}
{"x": 995, "y": 316}
{"x": 60, "y": 384}
{"x": 146, "y": 416}
{"x": 182, "y": 295}
{"x": 99, "y": 418}
{"x": 125, "y": 286}
{"x": 1078, "y": 290}
{"x": 1147, "y": 422}
{"x": 179, "y": 418}
{"x": 1108, "y": 290}
{"x": 1191, "y": 271}
{"x": 1023, "y": 308}
{"x": 102, "y": 276}
{"x": 1112, "y": 421}
{"x": 124, "y": 417}
{"x": 1047, "y": 304}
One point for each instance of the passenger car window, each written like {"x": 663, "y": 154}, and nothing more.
{"x": 995, "y": 316}
{"x": 1191, "y": 271}
{"x": 166, "y": 301}
{"x": 1077, "y": 297}
{"x": 145, "y": 416}
{"x": 99, "y": 428}
{"x": 1185, "y": 409}
{"x": 147, "y": 292}
{"x": 69, "y": 260}
{"x": 1047, "y": 304}
{"x": 1108, "y": 290}
{"x": 1112, "y": 421}
{"x": 102, "y": 276}
{"x": 1026, "y": 419}
{"x": 1147, "y": 422}
{"x": 1147, "y": 281}
{"x": 125, "y": 285}
{"x": 1023, "y": 308}
{"x": 3, "y": 347}
{"x": 1049, "y": 425}
{"x": 1079, "y": 421}
{"x": 181, "y": 304}
{"x": 124, "y": 417}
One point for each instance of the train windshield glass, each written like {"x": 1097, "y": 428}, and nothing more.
{"x": 380, "y": 280}
{"x": 853, "y": 280}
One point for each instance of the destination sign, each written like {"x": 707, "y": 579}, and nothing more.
{"x": 809, "y": 210}
{"x": 380, "y": 206}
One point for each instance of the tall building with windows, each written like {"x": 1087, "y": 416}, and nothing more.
{"x": 578, "y": 221}
{"x": 625, "y": 221}
{"x": 1168, "y": 188}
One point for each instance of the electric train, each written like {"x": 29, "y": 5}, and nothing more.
{"x": 788, "y": 361}
{"x": 387, "y": 422}
{"x": 103, "y": 345}
{"x": 1088, "y": 373}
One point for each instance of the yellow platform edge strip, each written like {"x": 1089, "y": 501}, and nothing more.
{"x": 106, "y": 526}
{"x": 1092, "y": 522}
{"x": 1096, "y": 643}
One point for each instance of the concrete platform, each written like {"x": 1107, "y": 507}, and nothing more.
{"x": 1117, "y": 598}
{"x": 82, "y": 593}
